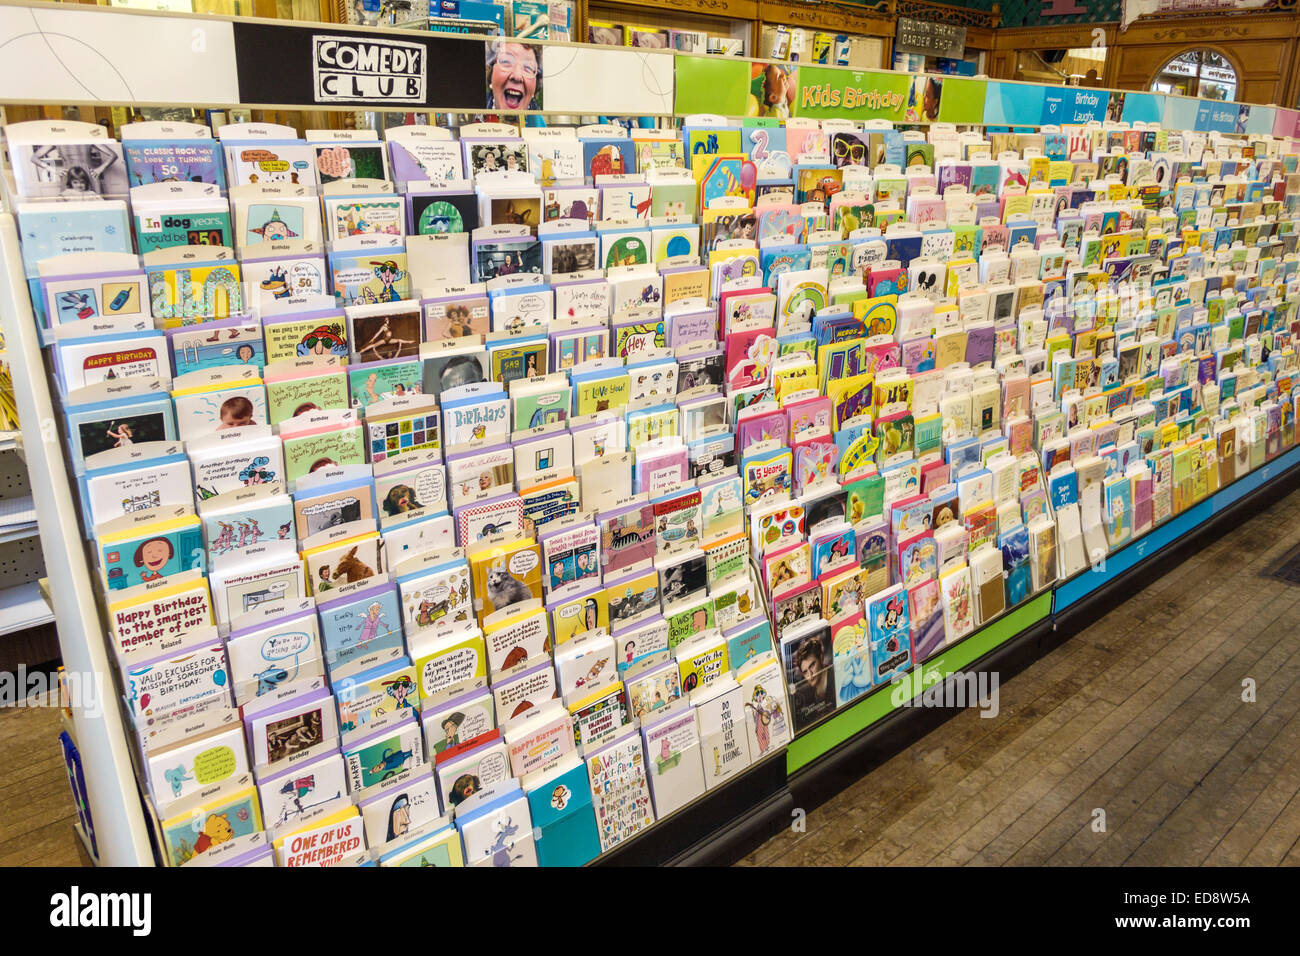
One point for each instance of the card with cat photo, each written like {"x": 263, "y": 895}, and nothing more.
{"x": 506, "y": 575}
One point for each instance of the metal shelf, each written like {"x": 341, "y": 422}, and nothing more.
{"x": 17, "y": 519}
{"x": 22, "y": 607}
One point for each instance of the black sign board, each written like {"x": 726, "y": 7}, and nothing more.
{"x": 930, "y": 39}
{"x": 285, "y": 65}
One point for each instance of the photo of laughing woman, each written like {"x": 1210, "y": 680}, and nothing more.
{"x": 514, "y": 76}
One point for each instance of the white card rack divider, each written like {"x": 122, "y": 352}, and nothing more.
{"x": 100, "y": 729}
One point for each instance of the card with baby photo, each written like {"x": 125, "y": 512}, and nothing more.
{"x": 219, "y": 407}
{"x": 384, "y": 330}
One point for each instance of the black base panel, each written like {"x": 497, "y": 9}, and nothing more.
{"x": 718, "y": 828}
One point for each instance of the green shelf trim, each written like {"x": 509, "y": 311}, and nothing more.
{"x": 823, "y": 738}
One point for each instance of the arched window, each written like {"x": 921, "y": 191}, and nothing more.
{"x": 1201, "y": 73}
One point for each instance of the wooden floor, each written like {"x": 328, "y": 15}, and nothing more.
{"x": 1140, "y": 716}
{"x": 36, "y": 809}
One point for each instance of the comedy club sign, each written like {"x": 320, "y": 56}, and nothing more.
{"x": 357, "y": 69}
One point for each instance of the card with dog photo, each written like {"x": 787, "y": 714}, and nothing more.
{"x": 423, "y": 488}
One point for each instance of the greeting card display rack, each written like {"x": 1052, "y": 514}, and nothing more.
{"x": 723, "y": 824}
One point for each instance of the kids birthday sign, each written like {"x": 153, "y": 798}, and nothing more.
{"x": 825, "y": 93}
